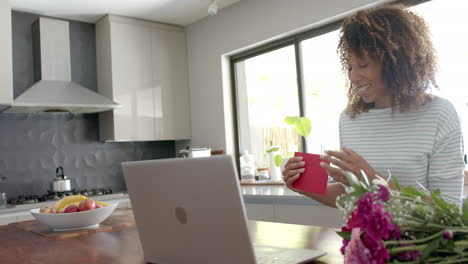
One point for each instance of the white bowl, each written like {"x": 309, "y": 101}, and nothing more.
{"x": 74, "y": 221}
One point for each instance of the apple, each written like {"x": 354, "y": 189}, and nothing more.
{"x": 86, "y": 205}
{"x": 47, "y": 210}
{"x": 97, "y": 206}
{"x": 71, "y": 209}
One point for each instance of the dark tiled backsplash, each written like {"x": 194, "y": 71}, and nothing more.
{"x": 34, "y": 145}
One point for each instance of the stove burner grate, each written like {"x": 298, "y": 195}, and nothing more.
{"x": 50, "y": 196}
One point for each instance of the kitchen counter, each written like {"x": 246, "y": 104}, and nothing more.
{"x": 274, "y": 194}
{"x": 269, "y": 194}
{"x": 124, "y": 246}
{"x": 266, "y": 194}
{"x": 257, "y": 194}
{"x": 263, "y": 203}
{"x": 121, "y": 197}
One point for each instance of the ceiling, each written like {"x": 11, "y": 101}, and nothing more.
{"x": 177, "y": 12}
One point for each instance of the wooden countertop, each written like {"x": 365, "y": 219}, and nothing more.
{"x": 123, "y": 246}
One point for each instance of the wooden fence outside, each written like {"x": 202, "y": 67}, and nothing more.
{"x": 285, "y": 137}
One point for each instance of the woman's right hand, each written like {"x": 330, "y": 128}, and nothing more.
{"x": 291, "y": 172}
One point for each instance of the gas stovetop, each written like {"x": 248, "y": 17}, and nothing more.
{"x": 50, "y": 196}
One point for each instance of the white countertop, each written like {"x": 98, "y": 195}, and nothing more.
{"x": 258, "y": 194}
{"x": 27, "y": 207}
{"x": 279, "y": 194}
{"x": 264, "y": 194}
{"x": 274, "y": 194}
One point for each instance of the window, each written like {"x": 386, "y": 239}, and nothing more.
{"x": 446, "y": 21}
{"x": 267, "y": 92}
{"x": 324, "y": 90}
{"x": 305, "y": 78}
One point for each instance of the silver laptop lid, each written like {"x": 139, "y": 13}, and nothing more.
{"x": 189, "y": 210}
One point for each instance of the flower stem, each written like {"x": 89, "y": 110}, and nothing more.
{"x": 393, "y": 251}
{"x": 447, "y": 261}
{"x": 425, "y": 239}
{"x": 415, "y": 241}
{"x": 421, "y": 223}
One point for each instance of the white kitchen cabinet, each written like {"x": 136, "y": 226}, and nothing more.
{"x": 142, "y": 66}
{"x": 6, "y": 62}
{"x": 260, "y": 212}
{"x": 8, "y": 218}
{"x": 309, "y": 215}
{"x": 25, "y": 216}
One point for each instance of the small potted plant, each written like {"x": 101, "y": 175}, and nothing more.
{"x": 303, "y": 127}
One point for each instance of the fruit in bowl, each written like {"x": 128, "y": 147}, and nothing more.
{"x": 74, "y": 212}
{"x": 47, "y": 210}
{"x": 73, "y": 204}
{"x": 71, "y": 209}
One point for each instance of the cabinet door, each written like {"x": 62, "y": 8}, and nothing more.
{"x": 171, "y": 99}
{"x": 6, "y": 219}
{"x": 132, "y": 82}
{"x": 309, "y": 215}
{"x": 6, "y": 62}
{"x": 260, "y": 212}
{"x": 25, "y": 216}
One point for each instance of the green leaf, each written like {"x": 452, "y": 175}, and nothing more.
{"x": 302, "y": 125}
{"x": 397, "y": 184}
{"x": 420, "y": 212}
{"x": 273, "y": 149}
{"x": 435, "y": 195}
{"x": 433, "y": 245}
{"x": 278, "y": 160}
{"x": 465, "y": 211}
{"x": 344, "y": 234}
{"x": 291, "y": 120}
{"x": 436, "y": 192}
{"x": 412, "y": 192}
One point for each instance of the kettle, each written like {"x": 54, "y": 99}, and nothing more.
{"x": 60, "y": 183}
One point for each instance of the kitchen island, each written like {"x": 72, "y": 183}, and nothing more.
{"x": 123, "y": 246}
{"x": 276, "y": 203}
{"x": 272, "y": 203}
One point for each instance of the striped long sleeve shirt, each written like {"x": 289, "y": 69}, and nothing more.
{"x": 423, "y": 145}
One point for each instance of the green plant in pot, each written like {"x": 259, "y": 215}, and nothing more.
{"x": 303, "y": 127}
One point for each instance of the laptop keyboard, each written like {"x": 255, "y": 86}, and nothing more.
{"x": 275, "y": 260}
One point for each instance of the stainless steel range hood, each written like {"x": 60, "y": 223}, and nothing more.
{"x": 55, "y": 92}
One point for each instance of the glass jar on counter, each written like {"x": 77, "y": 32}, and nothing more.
{"x": 263, "y": 173}
{"x": 247, "y": 167}
{"x": 3, "y": 199}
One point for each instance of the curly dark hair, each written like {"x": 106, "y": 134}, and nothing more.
{"x": 400, "y": 40}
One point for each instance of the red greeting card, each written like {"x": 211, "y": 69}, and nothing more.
{"x": 314, "y": 178}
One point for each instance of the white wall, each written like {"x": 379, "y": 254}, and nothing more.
{"x": 6, "y": 62}
{"x": 244, "y": 24}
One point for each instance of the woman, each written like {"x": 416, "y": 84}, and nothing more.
{"x": 391, "y": 122}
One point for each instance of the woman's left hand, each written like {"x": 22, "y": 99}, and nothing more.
{"x": 347, "y": 160}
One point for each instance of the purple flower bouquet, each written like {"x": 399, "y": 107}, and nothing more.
{"x": 406, "y": 225}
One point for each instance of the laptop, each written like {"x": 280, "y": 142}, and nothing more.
{"x": 190, "y": 210}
